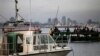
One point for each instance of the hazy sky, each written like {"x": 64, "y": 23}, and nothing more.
{"x": 41, "y": 10}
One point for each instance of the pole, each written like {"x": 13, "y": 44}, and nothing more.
{"x": 16, "y": 9}
{"x": 57, "y": 12}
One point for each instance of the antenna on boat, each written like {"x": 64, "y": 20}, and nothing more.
{"x": 30, "y": 25}
{"x": 30, "y": 9}
{"x": 16, "y": 9}
{"x": 30, "y": 15}
{"x": 57, "y": 12}
{"x": 17, "y": 14}
{"x": 56, "y": 17}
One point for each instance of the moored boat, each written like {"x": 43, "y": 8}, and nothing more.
{"x": 22, "y": 42}
{"x": 31, "y": 42}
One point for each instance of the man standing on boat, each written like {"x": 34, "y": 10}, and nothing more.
{"x": 54, "y": 31}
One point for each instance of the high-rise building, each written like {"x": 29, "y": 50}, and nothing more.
{"x": 55, "y": 21}
{"x": 49, "y": 21}
{"x": 69, "y": 21}
{"x": 63, "y": 21}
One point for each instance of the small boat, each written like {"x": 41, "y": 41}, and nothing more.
{"x": 23, "y": 42}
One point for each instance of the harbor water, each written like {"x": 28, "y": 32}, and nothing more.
{"x": 85, "y": 49}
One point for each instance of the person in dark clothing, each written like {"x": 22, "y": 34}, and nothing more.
{"x": 56, "y": 31}
{"x": 84, "y": 30}
{"x": 75, "y": 30}
{"x": 68, "y": 30}
{"x": 92, "y": 30}
{"x": 87, "y": 29}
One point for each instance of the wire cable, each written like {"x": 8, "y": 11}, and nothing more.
{"x": 30, "y": 9}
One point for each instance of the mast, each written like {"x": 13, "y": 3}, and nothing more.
{"x": 16, "y": 10}
{"x": 57, "y": 12}
{"x": 56, "y": 18}
{"x": 17, "y": 14}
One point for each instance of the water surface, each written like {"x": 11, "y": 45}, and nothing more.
{"x": 85, "y": 49}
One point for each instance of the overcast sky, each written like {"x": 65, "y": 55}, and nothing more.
{"x": 41, "y": 10}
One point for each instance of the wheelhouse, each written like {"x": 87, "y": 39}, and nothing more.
{"x": 28, "y": 41}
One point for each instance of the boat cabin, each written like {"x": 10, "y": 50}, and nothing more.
{"x": 29, "y": 41}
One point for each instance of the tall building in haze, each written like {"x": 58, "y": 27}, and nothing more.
{"x": 55, "y": 21}
{"x": 69, "y": 21}
{"x": 49, "y": 21}
{"x": 63, "y": 20}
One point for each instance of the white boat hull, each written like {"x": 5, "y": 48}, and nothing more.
{"x": 57, "y": 53}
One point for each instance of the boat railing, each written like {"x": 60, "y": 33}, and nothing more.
{"x": 77, "y": 35}
{"x": 5, "y": 50}
{"x": 60, "y": 38}
{"x": 51, "y": 44}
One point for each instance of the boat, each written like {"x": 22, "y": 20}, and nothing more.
{"x": 81, "y": 35}
{"x": 24, "y": 40}
{"x": 29, "y": 41}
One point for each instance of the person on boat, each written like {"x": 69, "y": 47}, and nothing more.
{"x": 51, "y": 31}
{"x": 68, "y": 30}
{"x": 85, "y": 29}
{"x": 56, "y": 30}
{"x": 94, "y": 33}
{"x": 37, "y": 29}
{"x": 75, "y": 30}
{"x": 78, "y": 30}
{"x": 92, "y": 30}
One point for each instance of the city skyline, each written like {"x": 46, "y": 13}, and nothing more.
{"x": 43, "y": 9}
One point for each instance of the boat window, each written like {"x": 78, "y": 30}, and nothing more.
{"x": 34, "y": 40}
{"x": 19, "y": 43}
{"x": 44, "y": 39}
{"x": 39, "y": 41}
{"x": 50, "y": 39}
{"x": 27, "y": 40}
{"x": 19, "y": 38}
